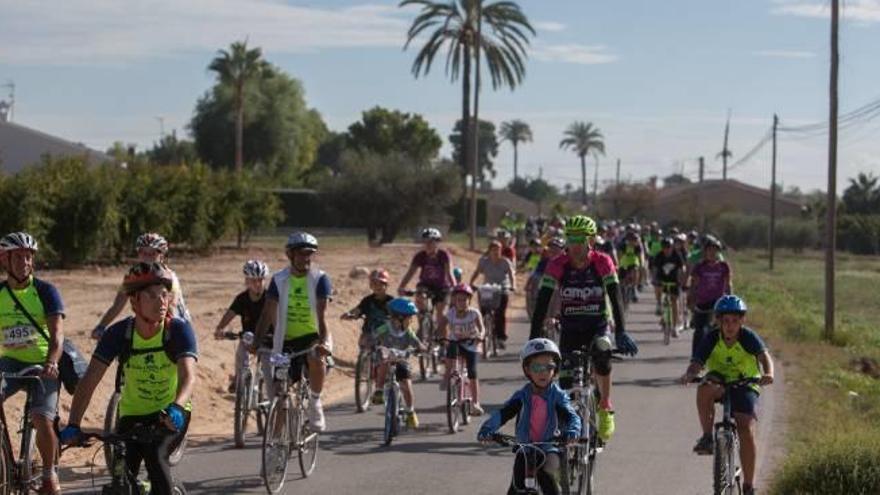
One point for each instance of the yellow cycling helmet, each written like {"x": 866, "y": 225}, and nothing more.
{"x": 580, "y": 225}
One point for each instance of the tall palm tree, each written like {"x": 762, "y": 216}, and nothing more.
{"x": 236, "y": 67}
{"x": 516, "y": 131}
{"x": 458, "y": 26}
{"x": 583, "y": 138}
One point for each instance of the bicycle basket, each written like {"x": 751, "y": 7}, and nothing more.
{"x": 490, "y": 297}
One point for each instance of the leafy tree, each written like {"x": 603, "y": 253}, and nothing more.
{"x": 384, "y": 132}
{"x": 172, "y": 151}
{"x": 675, "y": 180}
{"x": 515, "y": 131}
{"x": 236, "y": 68}
{"x": 584, "y": 139}
{"x": 537, "y": 190}
{"x": 488, "y": 149}
{"x": 862, "y": 195}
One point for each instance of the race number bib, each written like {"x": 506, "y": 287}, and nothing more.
{"x": 18, "y": 336}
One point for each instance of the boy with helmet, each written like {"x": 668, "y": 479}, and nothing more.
{"x": 586, "y": 281}
{"x": 397, "y": 333}
{"x": 669, "y": 271}
{"x": 730, "y": 352}
{"x": 709, "y": 280}
{"x": 157, "y": 354}
{"x": 435, "y": 271}
{"x": 151, "y": 248}
{"x": 31, "y": 316}
{"x": 541, "y": 409}
{"x": 462, "y": 328}
{"x": 248, "y": 305}
{"x": 372, "y": 308}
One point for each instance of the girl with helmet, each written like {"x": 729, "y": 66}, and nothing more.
{"x": 497, "y": 270}
{"x": 462, "y": 327}
{"x": 710, "y": 279}
{"x": 435, "y": 271}
{"x": 248, "y": 306}
{"x": 731, "y": 352}
{"x": 151, "y": 248}
{"x": 541, "y": 409}
{"x": 397, "y": 333}
{"x": 372, "y": 308}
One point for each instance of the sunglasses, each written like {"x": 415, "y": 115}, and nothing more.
{"x": 576, "y": 239}
{"x": 542, "y": 368}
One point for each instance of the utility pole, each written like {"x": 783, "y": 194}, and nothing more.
{"x": 161, "y": 121}
{"x": 773, "y": 195}
{"x": 831, "y": 220}
{"x": 702, "y": 168}
{"x": 725, "y": 153}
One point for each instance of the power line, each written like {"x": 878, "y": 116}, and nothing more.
{"x": 768, "y": 136}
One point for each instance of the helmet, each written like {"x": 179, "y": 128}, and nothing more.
{"x": 730, "y": 304}
{"x": 18, "y": 240}
{"x": 143, "y": 275}
{"x": 558, "y": 242}
{"x": 666, "y": 242}
{"x": 711, "y": 241}
{"x": 379, "y": 276}
{"x": 402, "y": 306}
{"x": 431, "y": 234}
{"x": 693, "y": 234}
{"x": 255, "y": 269}
{"x": 680, "y": 238}
{"x": 152, "y": 240}
{"x": 463, "y": 288}
{"x": 539, "y": 346}
{"x": 457, "y": 273}
{"x": 502, "y": 234}
{"x": 580, "y": 225}
{"x": 302, "y": 240}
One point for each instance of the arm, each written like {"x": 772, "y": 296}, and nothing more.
{"x": 84, "y": 390}
{"x": 449, "y": 270}
{"x": 407, "y": 276}
{"x": 321, "y": 310}
{"x": 616, "y": 299}
{"x": 56, "y": 339}
{"x": 545, "y": 294}
{"x": 476, "y": 273}
{"x": 115, "y": 309}
{"x": 500, "y": 416}
{"x": 570, "y": 426}
{"x": 224, "y": 321}
{"x": 186, "y": 379}
{"x": 267, "y": 318}
{"x": 767, "y": 366}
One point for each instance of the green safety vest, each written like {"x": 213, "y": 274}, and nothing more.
{"x": 21, "y": 341}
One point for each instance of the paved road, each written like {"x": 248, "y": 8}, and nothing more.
{"x": 650, "y": 454}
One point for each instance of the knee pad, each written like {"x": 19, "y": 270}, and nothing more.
{"x": 602, "y": 364}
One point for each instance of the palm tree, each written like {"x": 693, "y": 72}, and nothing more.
{"x": 236, "y": 67}
{"x": 863, "y": 194}
{"x": 583, "y": 138}
{"x": 458, "y": 25}
{"x": 516, "y": 131}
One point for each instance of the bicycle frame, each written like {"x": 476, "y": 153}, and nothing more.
{"x": 727, "y": 472}
{"x": 534, "y": 458}
{"x": 23, "y": 478}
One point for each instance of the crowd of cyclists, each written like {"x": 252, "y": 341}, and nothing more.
{"x": 581, "y": 277}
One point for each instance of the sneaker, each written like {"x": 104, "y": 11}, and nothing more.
{"x": 50, "y": 486}
{"x": 412, "y": 421}
{"x": 605, "y": 424}
{"x": 476, "y": 409}
{"x": 316, "y": 415}
{"x": 378, "y": 397}
{"x": 705, "y": 445}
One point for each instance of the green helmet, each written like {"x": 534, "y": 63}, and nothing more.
{"x": 580, "y": 225}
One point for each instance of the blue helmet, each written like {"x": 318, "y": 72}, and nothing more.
{"x": 730, "y": 304}
{"x": 402, "y": 306}
{"x": 457, "y": 273}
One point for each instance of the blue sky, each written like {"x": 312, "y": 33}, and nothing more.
{"x": 657, "y": 77}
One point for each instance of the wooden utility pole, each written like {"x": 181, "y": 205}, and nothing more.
{"x": 702, "y": 168}
{"x": 773, "y": 195}
{"x": 831, "y": 220}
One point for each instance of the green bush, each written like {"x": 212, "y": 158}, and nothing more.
{"x": 859, "y": 234}
{"x": 753, "y": 231}
{"x": 834, "y": 465}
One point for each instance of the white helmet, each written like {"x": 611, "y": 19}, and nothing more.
{"x": 18, "y": 240}
{"x": 539, "y": 346}
{"x": 255, "y": 269}
{"x": 302, "y": 240}
{"x": 152, "y": 240}
{"x": 431, "y": 234}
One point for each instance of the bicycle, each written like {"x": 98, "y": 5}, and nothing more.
{"x": 629, "y": 287}
{"x": 428, "y": 361}
{"x": 490, "y": 300}
{"x": 19, "y": 475}
{"x": 458, "y": 391}
{"x": 666, "y": 308}
{"x": 284, "y": 434}
{"x": 395, "y": 410}
{"x": 122, "y": 480}
{"x": 250, "y": 392}
{"x": 533, "y": 460}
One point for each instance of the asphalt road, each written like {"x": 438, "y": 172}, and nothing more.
{"x": 649, "y": 454}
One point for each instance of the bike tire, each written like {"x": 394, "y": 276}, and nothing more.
{"x": 111, "y": 418}
{"x": 7, "y": 465}
{"x": 465, "y": 412}
{"x": 363, "y": 381}
{"x": 487, "y": 327}
{"x": 720, "y": 466}
{"x": 452, "y": 406}
{"x": 261, "y": 410}
{"x": 391, "y": 418}
{"x": 243, "y": 390}
{"x": 276, "y": 446}
{"x": 26, "y": 460}
{"x": 307, "y": 441}
{"x": 666, "y": 320}
{"x": 178, "y": 489}
{"x": 176, "y": 455}
{"x": 587, "y": 475}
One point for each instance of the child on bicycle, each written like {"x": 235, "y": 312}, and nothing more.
{"x": 248, "y": 305}
{"x": 373, "y": 308}
{"x": 669, "y": 272}
{"x": 462, "y": 326}
{"x": 397, "y": 333}
{"x": 731, "y": 352}
{"x": 542, "y": 411}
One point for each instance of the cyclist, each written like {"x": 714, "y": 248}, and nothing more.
{"x": 533, "y": 256}
{"x": 373, "y": 308}
{"x": 157, "y": 354}
{"x": 709, "y": 280}
{"x": 296, "y": 303}
{"x": 508, "y": 244}
{"x": 604, "y": 243}
{"x": 653, "y": 238}
{"x": 499, "y": 271}
{"x": 631, "y": 259}
{"x": 555, "y": 247}
{"x": 435, "y": 271}
{"x": 542, "y": 409}
{"x": 460, "y": 324}
{"x": 31, "y": 314}
{"x": 586, "y": 281}
{"x": 397, "y": 333}
{"x": 730, "y": 352}
{"x": 151, "y": 248}
{"x": 248, "y": 305}
{"x": 669, "y": 271}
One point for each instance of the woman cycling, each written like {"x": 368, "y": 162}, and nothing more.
{"x": 435, "y": 271}
{"x": 497, "y": 270}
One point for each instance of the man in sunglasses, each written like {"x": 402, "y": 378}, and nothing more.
{"x": 583, "y": 278}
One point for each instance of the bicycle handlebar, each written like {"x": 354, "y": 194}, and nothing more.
{"x": 511, "y": 441}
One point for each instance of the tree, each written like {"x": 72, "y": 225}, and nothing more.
{"x": 515, "y": 131}
{"x": 537, "y": 190}
{"x": 862, "y": 195}
{"x": 488, "y": 149}
{"x": 236, "y": 68}
{"x": 676, "y": 180}
{"x": 384, "y": 132}
{"x": 457, "y": 24}
{"x": 172, "y": 151}
{"x": 583, "y": 138}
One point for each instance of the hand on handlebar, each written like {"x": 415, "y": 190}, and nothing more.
{"x": 70, "y": 435}
{"x": 766, "y": 379}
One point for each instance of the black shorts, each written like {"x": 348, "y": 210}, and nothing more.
{"x": 670, "y": 287}
{"x": 581, "y": 340}
{"x": 439, "y": 295}
{"x": 743, "y": 400}
{"x": 454, "y": 349}
{"x": 296, "y": 345}
{"x": 402, "y": 371}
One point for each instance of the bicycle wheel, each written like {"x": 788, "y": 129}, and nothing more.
{"x": 243, "y": 391}
{"x": 177, "y": 454}
{"x": 178, "y": 489}
{"x": 465, "y": 411}
{"x": 7, "y": 463}
{"x": 424, "y": 333}
{"x": 391, "y": 418}
{"x": 111, "y": 418}
{"x": 307, "y": 441}
{"x": 452, "y": 407}
{"x": 487, "y": 326}
{"x": 363, "y": 381}
{"x": 666, "y": 319}
{"x": 260, "y": 403}
{"x": 28, "y": 471}
{"x": 276, "y": 445}
{"x": 720, "y": 465}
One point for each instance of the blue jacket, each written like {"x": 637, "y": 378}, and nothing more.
{"x": 559, "y": 411}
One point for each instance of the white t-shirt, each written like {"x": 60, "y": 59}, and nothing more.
{"x": 464, "y": 327}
